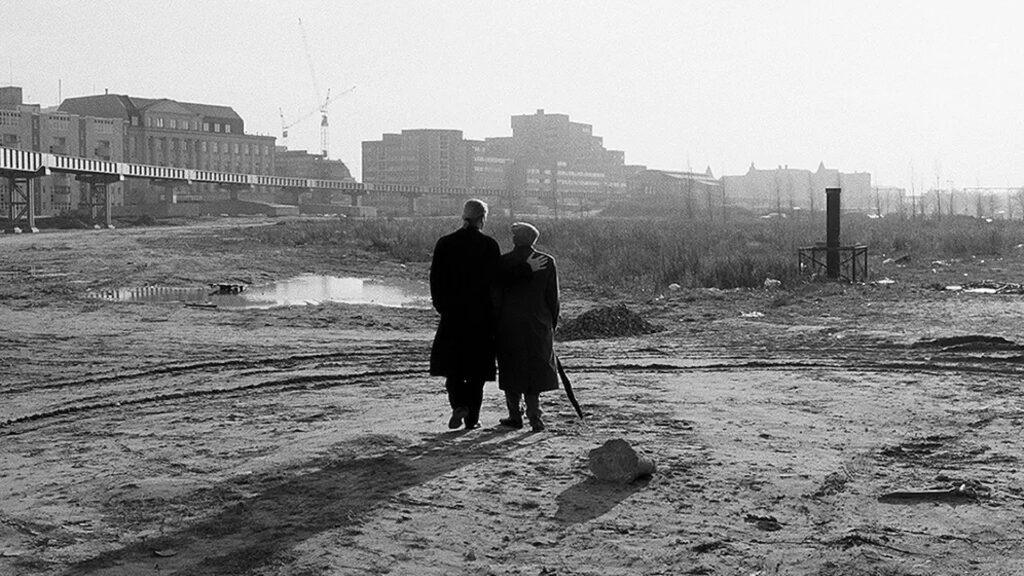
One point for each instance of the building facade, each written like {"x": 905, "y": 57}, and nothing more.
{"x": 29, "y": 127}
{"x": 558, "y": 163}
{"x": 785, "y": 188}
{"x": 165, "y": 132}
{"x": 548, "y": 163}
{"x": 431, "y": 158}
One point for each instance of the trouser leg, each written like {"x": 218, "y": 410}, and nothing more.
{"x": 474, "y": 397}
{"x": 457, "y": 399}
{"x": 515, "y": 411}
{"x": 514, "y": 400}
{"x": 533, "y": 412}
{"x": 456, "y": 394}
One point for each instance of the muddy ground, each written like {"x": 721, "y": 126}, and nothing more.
{"x": 821, "y": 429}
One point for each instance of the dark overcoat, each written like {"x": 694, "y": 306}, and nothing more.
{"x": 527, "y": 318}
{"x": 462, "y": 274}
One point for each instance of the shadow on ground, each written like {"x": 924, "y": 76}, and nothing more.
{"x": 592, "y": 498}
{"x": 334, "y": 494}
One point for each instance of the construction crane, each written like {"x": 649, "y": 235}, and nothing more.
{"x": 322, "y": 109}
{"x": 321, "y": 105}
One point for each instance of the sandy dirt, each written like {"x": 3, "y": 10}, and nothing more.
{"x": 824, "y": 429}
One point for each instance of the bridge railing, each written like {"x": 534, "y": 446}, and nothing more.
{"x": 81, "y": 165}
{"x": 29, "y": 162}
{"x": 281, "y": 181}
{"x": 159, "y": 172}
{"x": 14, "y": 160}
{"x": 339, "y": 185}
{"x": 212, "y": 177}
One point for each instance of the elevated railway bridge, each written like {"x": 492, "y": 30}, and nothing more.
{"x": 19, "y": 168}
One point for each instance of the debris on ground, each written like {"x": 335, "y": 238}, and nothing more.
{"x": 606, "y": 322}
{"x": 957, "y": 493}
{"x": 984, "y": 287}
{"x": 766, "y": 523}
{"x": 617, "y": 461}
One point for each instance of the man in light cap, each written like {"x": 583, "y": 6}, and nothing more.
{"x": 464, "y": 276}
{"x": 527, "y": 318}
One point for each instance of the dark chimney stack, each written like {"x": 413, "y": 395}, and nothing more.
{"x": 832, "y": 231}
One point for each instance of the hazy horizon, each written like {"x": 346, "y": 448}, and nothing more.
{"x": 914, "y": 94}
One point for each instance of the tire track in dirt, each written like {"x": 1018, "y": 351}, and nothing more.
{"x": 206, "y": 366}
{"x": 306, "y": 381}
{"x": 192, "y": 380}
{"x": 332, "y": 379}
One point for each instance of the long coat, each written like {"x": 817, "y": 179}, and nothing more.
{"x": 527, "y": 318}
{"x": 462, "y": 274}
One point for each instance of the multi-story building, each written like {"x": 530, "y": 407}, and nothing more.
{"x": 430, "y": 158}
{"x": 557, "y": 162}
{"x": 165, "y": 132}
{"x": 487, "y": 170}
{"x": 417, "y": 157}
{"x": 548, "y": 161}
{"x": 787, "y": 188}
{"x": 29, "y": 127}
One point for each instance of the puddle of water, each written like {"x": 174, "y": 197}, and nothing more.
{"x": 299, "y": 291}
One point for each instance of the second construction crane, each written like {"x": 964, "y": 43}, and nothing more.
{"x": 321, "y": 106}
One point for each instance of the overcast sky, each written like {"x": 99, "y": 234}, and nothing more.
{"x": 914, "y": 92}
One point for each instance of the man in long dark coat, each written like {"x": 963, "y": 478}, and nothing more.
{"x": 527, "y": 318}
{"x": 464, "y": 275}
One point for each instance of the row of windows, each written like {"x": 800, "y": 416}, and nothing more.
{"x": 491, "y": 160}
{"x": 8, "y": 118}
{"x": 565, "y": 173}
{"x": 217, "y": 165}
{"x": 215, "y": 147}
{"x": 182, "y": 124}
{"x": 491, "y": 169}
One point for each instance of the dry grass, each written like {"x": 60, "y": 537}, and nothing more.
{"x": 649, "y": 253}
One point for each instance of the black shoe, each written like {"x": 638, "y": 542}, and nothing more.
{"x": 511, "y": 422}
{"x": 537, "y": 425}
{"x": 471, "y": 425}
{"x": 458, "y": 414}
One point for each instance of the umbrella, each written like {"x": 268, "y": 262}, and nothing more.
{"x": 568, "y": 388}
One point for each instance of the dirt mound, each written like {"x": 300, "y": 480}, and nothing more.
{"x": 605, "y": 322}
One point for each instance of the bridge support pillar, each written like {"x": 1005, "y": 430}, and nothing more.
{"x": 235, "y": 189}
{"x": 412, "y": 202}
{"x": 323, "y": 196}
{"x": 356, "y": 198}
{"x": 98, "y": 197}
{"x": 21, "y": 203}
{"x": 167, "y": 191}
{"x": 510, "y": 204}
{"x": 293, "y": 196}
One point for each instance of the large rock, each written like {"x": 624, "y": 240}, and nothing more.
{"x": 617, "y": 461}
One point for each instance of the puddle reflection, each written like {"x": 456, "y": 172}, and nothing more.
{"x": 299, "y": 291}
